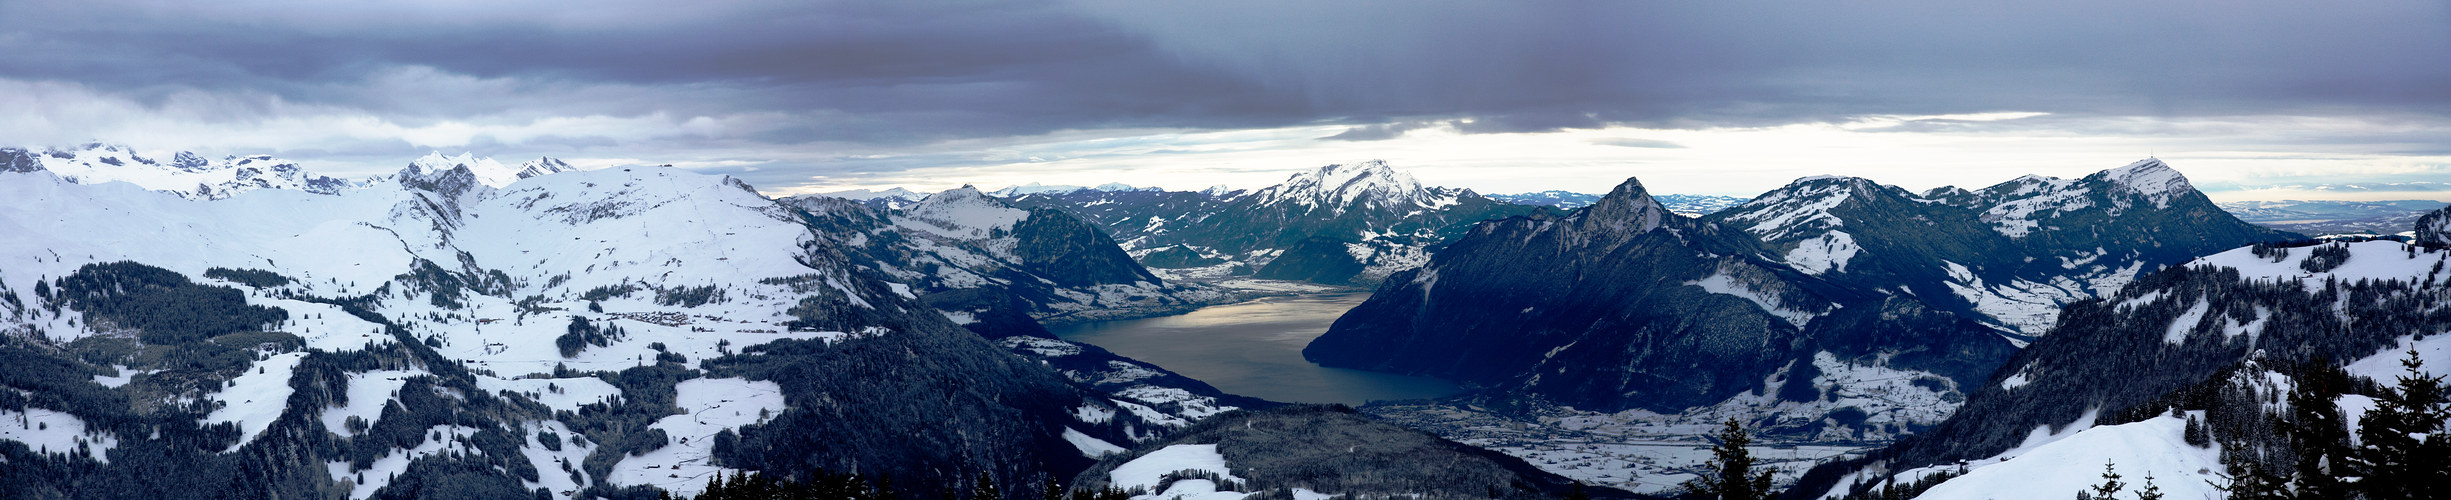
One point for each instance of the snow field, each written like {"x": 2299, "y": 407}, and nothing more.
{"x": 1148, "y": 470}
{"x": 713, "y": 405}
{"x": 2055, "y": 471}
{"x": 2376, "y": 260}
{"x": 257, "y": 397}
{"x": 48, "y": 431}
{"x": 367, "y": 393}
{"x": 548, "y": 463}
{"x": 1090, "y": 446}
{"x": 555, "y": 393}
{"x": 397, "y": 460}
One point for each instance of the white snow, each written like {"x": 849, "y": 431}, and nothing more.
{"x": 2055, "y": 471}
{"x": 1724, "y": 284}
{"x": 1147, "y": 470}
{"x": 1091, "y": 447}
{"x": 961, "y": 213}
{"x": 488, "y": 172}
{"x": 255, "y": 398}
{"x": 555, "y": 393}
{"x": 870, "y": 194}
{"x": 2149, "y": 177}
{"x": 48, "y": 431}
{"x": 2384, "y": 366}
{"x": 1335, "y": 187}
{"x": 1823, "y": 254}
{"x": 186, "y": 174}
{"x": 2186, "y": 322}
{"x": 397, "y": 460}
{"x": 2376, "y": 260}
{"x": 368, "y": 391}
{"x": 714, "y": 405}
{"x": 548, "y": 463}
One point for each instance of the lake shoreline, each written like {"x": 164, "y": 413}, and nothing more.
{"x": 1253, "y": 348}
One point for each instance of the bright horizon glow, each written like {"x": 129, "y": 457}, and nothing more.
{"x": 1717, "y": 161}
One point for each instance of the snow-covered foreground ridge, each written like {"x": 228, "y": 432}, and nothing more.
{"x": 584, "y": 330}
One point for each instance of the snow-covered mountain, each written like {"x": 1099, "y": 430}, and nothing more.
{"x": 486, "y": 171}
{"x": 1058, "y": 267}
{"x": 1689, "y": 205}
{"x": 1569, "y": 310}
{"x": 1337, "y": 224}
{"x": 186, "y": 174}
{"x": 1772, "y": 311}
{"x": 1036, "y": 188}
{"x": 588, "y": 331}
{"x": 2218, "y": 344}
{"x": 2009, "y": 254}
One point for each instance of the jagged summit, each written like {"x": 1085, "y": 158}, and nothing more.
{"x": 544, "y": 165}
{"x": 1338, "y": 186}
{"x": 486, "y": 170}
{"x": 187, "y": 174}
{"x": 1628, "y": 208}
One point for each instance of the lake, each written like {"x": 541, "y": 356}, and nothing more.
{"x": 1255, "y": 349}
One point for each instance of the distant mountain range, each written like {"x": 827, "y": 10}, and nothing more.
{"x": 2333, "y": 216}
{"x": 1688, "y": 205}
{"x": 1625, "y": 305}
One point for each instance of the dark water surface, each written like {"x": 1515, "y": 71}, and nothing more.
{"x": 1255, "y": 349}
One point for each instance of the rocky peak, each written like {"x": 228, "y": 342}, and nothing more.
{"x": 190, "y": 162}
{"x": 1628, "y": 209}
{"x": 2150, "y": 178}
{"x": 2434, "y": 229}
{"x": 485, "y": 170}
{"x": 542, "y": 166}
{"x": 18, "y": 160}
{"x": 1341, "y": 185}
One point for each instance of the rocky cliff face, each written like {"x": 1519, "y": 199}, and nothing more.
{"x": 1622, "y": 305}
{"x": 2435, "y": 228}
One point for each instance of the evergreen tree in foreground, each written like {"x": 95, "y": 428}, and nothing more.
{"x": 2249, "y": 481}
{"x": 2403, "y": 453}
{"x": 2317, "y": 431}
{"x": 2110, "y": 484}
{"x": 1730, "y": 475}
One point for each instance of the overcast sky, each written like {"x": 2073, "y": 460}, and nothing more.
{"x": 1732, "y": 96}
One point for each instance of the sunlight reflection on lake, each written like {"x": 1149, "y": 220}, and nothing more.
{"x": 1255, "y": 349}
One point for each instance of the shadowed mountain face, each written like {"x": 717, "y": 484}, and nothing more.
{"x": 1624, "y": 305}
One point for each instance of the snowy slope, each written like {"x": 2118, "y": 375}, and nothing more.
{"x": 480, "y": 272}
{"x": 1335, "y": 186}
{"x": 2057, "y": 469}
{"x": 186, "y": 174}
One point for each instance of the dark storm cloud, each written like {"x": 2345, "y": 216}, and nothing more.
{"x": 913, "y": 72}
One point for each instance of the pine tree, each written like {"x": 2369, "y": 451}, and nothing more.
{"x": 2195, "y": 433}
{"x": 2249, "y": 481}
{"x": 1730, "y": 476}
{"x": 2317, "y": 433}
{"x": 2110, "y": 483}
{"x": 2395, "y": 461}
{"x": 2150, "y": 492}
